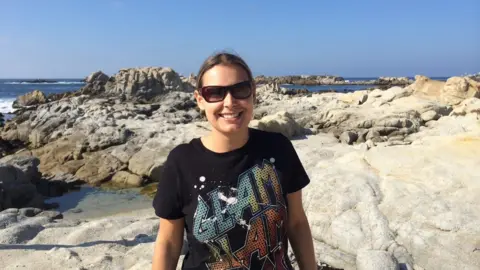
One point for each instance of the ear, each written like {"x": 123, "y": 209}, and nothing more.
{"x": 199, "y": 100}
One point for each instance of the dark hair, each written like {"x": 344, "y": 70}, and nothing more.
{"x": 225, "y": 59}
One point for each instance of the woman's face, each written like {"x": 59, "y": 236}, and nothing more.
{"x": 229, "y": 115}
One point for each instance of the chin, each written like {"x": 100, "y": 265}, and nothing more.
{"x": 231, "y": 129}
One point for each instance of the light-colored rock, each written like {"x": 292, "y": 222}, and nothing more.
{"x": 356, "y": 98}
{"x": 348, "y": 137}
{"x": 123, "y": 178}
{"x": 457, "y": 89}
{"x": 125, "y": 151}
{"x": 98, "y": 168}
{"x": 146, "y": 82}
{"x": 107, "y": 136}
{"x": 281, "y": 122}
{"x": 469, "y": 105}
{"x": 429, "y": 115}
{"x": 376, "y": 260}
{"x": 451, "y": 92}
{"x": 376, "y": 93}
{"x": 424, "y": 86}
{"x": 388, "y": 96}
{"x": 152, "y": 155}
{"x": 35, "y": 97}
{"x": 97, "y": 76}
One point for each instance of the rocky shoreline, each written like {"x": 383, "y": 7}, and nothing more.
{"x": 393, "y": 171}
{"x": 331, "y": 80}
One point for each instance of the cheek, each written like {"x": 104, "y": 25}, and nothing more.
{"x": 211, "y": 110}
{"x": 247, "y": 105}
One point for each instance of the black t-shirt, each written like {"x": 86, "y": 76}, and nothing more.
{"x": 234, "y": 203}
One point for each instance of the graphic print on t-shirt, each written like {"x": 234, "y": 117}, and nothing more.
{"x": 257, "y": 205}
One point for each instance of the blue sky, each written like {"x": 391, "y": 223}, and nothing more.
{"x": 70, "y": 39}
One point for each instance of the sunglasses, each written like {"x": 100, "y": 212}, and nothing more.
{"x": 241, "y": 90}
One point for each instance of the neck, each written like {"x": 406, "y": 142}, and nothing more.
{"x": 221, "y": 143}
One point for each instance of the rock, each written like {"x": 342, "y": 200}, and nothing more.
{"x": 400, "y": 92}
{"x": 426, "y": 87}
{"x": 393, "y": 81}
{"x": 123, "y": 178}
{"x": 152, "y": 155}
{"x": 17, "y": 185}
{"x": 469, "y": 105}
{"x": 451, "y": 92}
{"x": 457, "y": 89}
{"x": 299, "y": 80}
{"x": 146, "y": 82}
{"x": 376, "y": 260}
{"x": 429, "y": 115}
{"x": 388, "y": 96}
{"x": 97, "y": 76}
{"x": 35, "y": 97}
{"x": 55, "y": 157}
{"x": 376, "y": 93}
{"x": 107, "y": 136}
{"x": 348, "y": 137}
{"x": 100, "y": 167}
{"x": 29, "y": 211}
{"x": 372, "y": 134}
{"x": 281, "y": 122}
{"x": 50, "y": 214}
{"x": 39, "y": 136}
{"x": 357, "y": 97}
{"x": 28, "y": 165}
{"x": 125, "y": 151}
{"x": 362, "y": 135}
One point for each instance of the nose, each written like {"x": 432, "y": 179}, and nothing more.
{"x": 229, "y": 100}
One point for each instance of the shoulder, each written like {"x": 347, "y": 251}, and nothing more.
{"x": 181, "y": 151}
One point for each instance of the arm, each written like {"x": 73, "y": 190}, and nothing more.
{"x": 168, "y": 244}
{"x": 299, "y": 232}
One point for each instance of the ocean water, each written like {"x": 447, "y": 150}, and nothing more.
{"x": 10, "y": 89}
{"x": 94, "y": 202}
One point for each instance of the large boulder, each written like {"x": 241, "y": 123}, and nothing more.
{"x": 97, "y": 76}
{"x": 18, "y": 176}
{"x": 35, "y": 97}
{"x": 281, "y": 122}
{"x": 95, "y": 84}
{"x": 146, "y": 82}
{"x": 124, "y": 178}
{"x": 457, "y": 89}
{"x": 451, "y": 92}
{"x": 99, "y": 167}
{"x": 469, "y": 105}
{"x": 424, "y": 86}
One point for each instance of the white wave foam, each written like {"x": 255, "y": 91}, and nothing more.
{"x": 6, "y": 105}
{"x": 61, "y": 82}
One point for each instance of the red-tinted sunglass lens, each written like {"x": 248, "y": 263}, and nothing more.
{"x": 241, "y": 90}
{"x": 213, "y": 94}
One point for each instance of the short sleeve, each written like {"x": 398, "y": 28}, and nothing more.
{"x": 298, "y": 177}
{"x": 168, "y": 201}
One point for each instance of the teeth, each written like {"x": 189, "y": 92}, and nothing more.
{"x": 230, "y": 115}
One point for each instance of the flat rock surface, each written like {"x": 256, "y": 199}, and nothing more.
{"x": 391, "y": 204}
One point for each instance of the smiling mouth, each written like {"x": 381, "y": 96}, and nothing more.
{"x": 230, "y": 115}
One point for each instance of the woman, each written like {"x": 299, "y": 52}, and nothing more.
{"x": 237, "y": 191}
